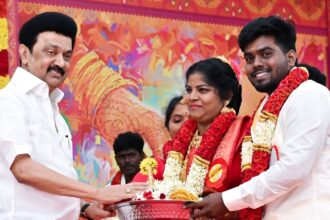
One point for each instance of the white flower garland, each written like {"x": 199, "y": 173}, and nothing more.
{"x": 264, "y": 130}
{"x": 196, "y": 178}
{"x": 260, "y": 139}
{"x": 246, "y": 154}
{"x": 172, "y": 169}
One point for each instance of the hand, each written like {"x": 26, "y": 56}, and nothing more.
{"x": 96, "y": 211}
{"x": 211, "y": 206}
{"x": 231, "y": 216}
{"x": 116, "y": 193}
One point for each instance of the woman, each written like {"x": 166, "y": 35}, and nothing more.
{"x": 175, "y": 115}
{"x": 205, "y": 153}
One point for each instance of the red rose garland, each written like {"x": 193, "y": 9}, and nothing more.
{"x": 183, "y": 137}
{"x": 261, "y": 156}
{"x": 210, "y": 139}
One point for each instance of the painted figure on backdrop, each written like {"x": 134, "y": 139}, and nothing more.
{"x": 99, "y": 54}
{"x": 129, "y": 153}
{"x": 35, "y": 141}
{"x": 134, "y": 67}
{"x": 285, "y": 153}
{"x": 110, "y": 106}
{"x": 210, "y": 138}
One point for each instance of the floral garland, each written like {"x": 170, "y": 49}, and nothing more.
{"x": 256, "y": 150}
{"x": 204, "y": 154}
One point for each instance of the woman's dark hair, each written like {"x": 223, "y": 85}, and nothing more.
{"x": 170, "y": 108}
{"x": 314, "y": 74}
{"x": 282, "y": 30}
{"x": 222, "y": 77}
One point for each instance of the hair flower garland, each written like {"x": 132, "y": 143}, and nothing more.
{"x": 234, "y": 64}
{"x": 256, "y": 150}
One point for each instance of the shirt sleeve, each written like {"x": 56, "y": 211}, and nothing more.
{"x": 305, "y": 126}
{"x": 14, "y": 133}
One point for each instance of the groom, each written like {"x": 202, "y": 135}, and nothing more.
{"x": 287, "y": 177}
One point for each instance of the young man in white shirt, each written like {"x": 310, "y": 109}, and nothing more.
{"x": 286, "y": 155}
{"x": 37, "y": 177}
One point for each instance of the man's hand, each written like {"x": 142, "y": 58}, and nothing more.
{"x": 116, "y": 193}
{"x": 211, "y": 206}
{"x": 96, "y": 211}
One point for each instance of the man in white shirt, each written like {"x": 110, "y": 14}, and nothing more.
{"x": 37, "y": 177}
{"x": 296, "y": 184}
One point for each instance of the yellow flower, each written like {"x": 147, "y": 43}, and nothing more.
{"x": 3, "y": 34}
{"x": 148, "y": 163}
{"x": 3, "y": 81}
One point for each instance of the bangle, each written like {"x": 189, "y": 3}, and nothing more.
{"x": 83, "y": 210}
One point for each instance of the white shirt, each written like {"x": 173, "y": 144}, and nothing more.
{"x": 297, "y": 186}
{"x": 27, "y": 126}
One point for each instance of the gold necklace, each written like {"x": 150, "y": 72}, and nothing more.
{"x": 194, "y": 143}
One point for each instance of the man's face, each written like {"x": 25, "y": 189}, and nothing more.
{"x": 266, "y": 64}
{"x": 129, "y": 161}
{"x": 49, "y": 59}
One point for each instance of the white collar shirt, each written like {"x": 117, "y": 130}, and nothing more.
{"x": 122, "y": 180}
{"x": 296, "y": 186}
{"x": 31, "y": 124}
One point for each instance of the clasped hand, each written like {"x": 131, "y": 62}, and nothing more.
{"x": 211, "y": 206}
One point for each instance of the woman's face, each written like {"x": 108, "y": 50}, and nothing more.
{"x": 179, "y": 115}
{"x": 204, "y": 102}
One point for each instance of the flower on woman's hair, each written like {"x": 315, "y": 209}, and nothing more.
{"x": 234, "y": 64}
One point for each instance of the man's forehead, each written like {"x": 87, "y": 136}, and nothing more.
{"x": 261, "y": 43}
{"x": 128, "y": 151}
{"x": 55, "y": 40}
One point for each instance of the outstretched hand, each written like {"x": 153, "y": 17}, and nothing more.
{"x": 211, "y": 206}
{"x": 116, "y": 193}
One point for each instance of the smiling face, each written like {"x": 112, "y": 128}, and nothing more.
{"x": 49, "y": 58}
{"x": 204, "y": 102}
{"x": 179, "y": 115}
{"x": 266, "y": 63}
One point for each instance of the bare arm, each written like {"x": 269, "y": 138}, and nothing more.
{"x": 34, "y": 174}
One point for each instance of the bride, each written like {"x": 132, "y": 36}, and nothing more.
{"x": 205, "y": 153}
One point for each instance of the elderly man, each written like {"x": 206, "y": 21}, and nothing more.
{"x": 38, "y": 180}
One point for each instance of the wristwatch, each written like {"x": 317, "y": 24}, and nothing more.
{"x": 83, "y": 211}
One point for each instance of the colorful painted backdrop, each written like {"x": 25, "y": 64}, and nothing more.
{"x": 131, "y": 55}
